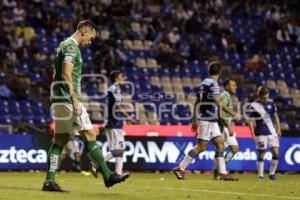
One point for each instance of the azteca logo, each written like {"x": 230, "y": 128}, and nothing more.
{"x": 292, "y": 155}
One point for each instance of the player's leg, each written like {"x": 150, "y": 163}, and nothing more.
{"x": 188, "y": 159}
{"x": 198, "y": 148}
{"x": 219, "y": 155}
{"x": 109, "y": 155}
{"x": 54, "y": 161}
{"x": 77, "y": 158}
{"x": 274, "y": 145}
{"x": 116, "y": 141}
{"x": 94, "y": 152}
{"x": 260, "y": 163}
{"x": 203, "y": 138}
{"x": 63, "y": 127}
{"x": 261, "y": 146}
{"x": 274, "y": 163}
{"x": 231, "y": 141}
{"x": 110, "y": 140}
{"x": 233, "y": 149}
{"x": 67, "y": 151}
{"x": 218, "y": 141}
{"x": 77, "y": 161}
{"x": 96, "y": 156}
{"x": 119, "y": 147}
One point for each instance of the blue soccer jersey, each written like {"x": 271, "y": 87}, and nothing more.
{"x": 263, "y": 115}
{"x": 208, "y": 109}
{"x": 114, "y": 117}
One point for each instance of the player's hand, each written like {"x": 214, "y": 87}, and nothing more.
{"x": 278, "y": 131}
{"x": 237, "y": 116}
{"x": 133, "y": 121}
{"x": 77, "y": 107}
{"x": 194, "y": 125}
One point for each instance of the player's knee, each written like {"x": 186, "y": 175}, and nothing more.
{"x": 261, "y": 155}
{"x": 201, "y": 146}
{"x": 275, "y": 155}
{"x": 88, "y": 135}
{"x": 234, "y": 149}
{"x": 220, "y": 146}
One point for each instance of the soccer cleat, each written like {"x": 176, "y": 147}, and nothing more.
{"x": 94, "y": 170}
{"x": 52, "y": 187}
{"x": 260, "y": 178}
{"x": 116, "y": 178}
{"x": 179, "y": 173}
{"x": 227, "y": 177}
{"x": 272, "y": 177}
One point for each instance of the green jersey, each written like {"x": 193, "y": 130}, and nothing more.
{"x": 227, "y": 101}
{"x": 68, "y": 52}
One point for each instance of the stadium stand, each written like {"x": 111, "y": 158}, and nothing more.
{"x": 164, "y": 50}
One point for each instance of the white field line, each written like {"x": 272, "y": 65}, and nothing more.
{"x": 214, "y": 191}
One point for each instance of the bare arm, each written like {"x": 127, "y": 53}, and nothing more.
{"x": 194, "y": 120}
{"x": 120, "y": 108}
{"x": 124, "y": 113}
{"x": 251, "y": 126}
{"x": 67, "y": 68}
{"x": 196, "y": 106}
{"x": 277, "y": 124}
{"x": 218, "y": 101}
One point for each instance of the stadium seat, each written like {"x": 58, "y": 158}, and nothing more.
{"x": 148, "y": 45}
{"x": 196, "y": 82}
{"x": 271, "y": 84}
{"x": 136, "y": 27}
{"x": 151, "y": 63}
{"x": 127, "y": 44}
{"x": 104, "y": 34}
{"x": 140, "y": 62}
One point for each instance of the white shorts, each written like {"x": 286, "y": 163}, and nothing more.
{"x": 71, "y": 147}
{"x": 115, "y": 139}
{"x": 208, "y": 130}
{"x": 67, "y": 122}
{"x": 265, "y": 141}
{"x": 229, "y": 140}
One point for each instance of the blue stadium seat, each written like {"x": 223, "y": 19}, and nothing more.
{"x": 5, "y": 120}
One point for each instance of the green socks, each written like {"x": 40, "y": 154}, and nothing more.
{"x": 96, "y": 156}
{"x": 54, "y": 159}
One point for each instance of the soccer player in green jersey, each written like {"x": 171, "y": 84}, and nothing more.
{"x": 225, "y": 121}
{"x": 69, "y": 114}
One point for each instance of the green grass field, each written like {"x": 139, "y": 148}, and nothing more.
{"x": 27, "y": 186}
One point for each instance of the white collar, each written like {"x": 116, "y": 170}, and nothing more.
{"x": 74, "y": 41}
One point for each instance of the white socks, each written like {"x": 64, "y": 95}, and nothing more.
{"x": 119, "y": 165}
{"x": 273, "y": 166}
{"x": 108, "y": 156}
{"x": 185, "y": 162}
{"x": 260, "y": 168}
{"x": 221, "y": 165}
